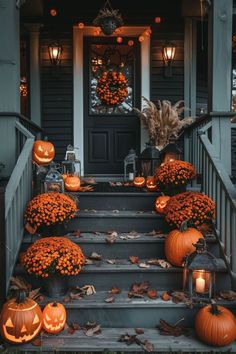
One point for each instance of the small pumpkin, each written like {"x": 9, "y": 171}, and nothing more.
{"x": 150, "y": 183}
{"x": 72, "y": 183}
{"x": 139, "y": 182}
{"x": 54, "y": 317}
{"x": 161, "y": 203}
{"x": 215, "y": 325}
{"x": 179, "y": 243}
{"x": 20, "y": 320}
{"x": 43, "y": 152}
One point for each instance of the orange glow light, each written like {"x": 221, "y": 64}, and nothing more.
{"x": 53, "y": 12}
{"x": 141, "y": 38}
{"x": 119, "y": 39}
{"x": 81, "y": 25}
{"x": 157, "y": 20}
{"x": 130, "y": 43}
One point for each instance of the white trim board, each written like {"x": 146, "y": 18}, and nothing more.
{"x": 78, "y": 98}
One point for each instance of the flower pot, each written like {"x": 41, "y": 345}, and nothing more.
{"x": 55, "y": 285}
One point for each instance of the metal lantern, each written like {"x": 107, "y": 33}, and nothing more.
{"x": 53, "y": 181}
{"x": 200, "y": 272}
{"x": 168, "y": 55}
{"x": 130, "y": 165}
{"x": 108, "y": 19}
{"x": 55, "y": 52}
{"x": 148, "y": 160}
{"x": 170, "y": 152}
{"x": 71, "y": 165}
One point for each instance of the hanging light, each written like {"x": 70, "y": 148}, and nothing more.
{"x": 108, "y": 19}
{"x": 23, "y": 86}
{"x": 55, "y": 52}
{"x": 168, "y": 54}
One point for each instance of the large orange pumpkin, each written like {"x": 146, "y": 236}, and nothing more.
{"x": 54, "y": 317}
{"x": 21, "y": 320}
{"x": 43, "y": 152}
{"x": 161, "y": 203}
{"x": 215, "y": 325}
{"x": 139, "y": 182}
{"x": 179, "y": 243}
{"x": 150, "y": 183}
{"x": 72, "y": 183}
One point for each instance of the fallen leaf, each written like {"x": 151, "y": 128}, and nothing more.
{"x": 139, "y": 331}
{"x": 165, "y": 296}
{"x": 75, "y": 326}
{"x": 144, "y": 265}
{"x": 154, "y": 233}
{"x": 37, "y": 342}
{"x": 134, "y": 259}
{"x": 112, "y": 232}
{"x": 114, "y": 290}
{"x": 97, "y": 233}
{"x": 95, "y": 256}
{"x": 75, "y": 294}
{"x": 67, "y": 299}
{"x": 111, "y": 261}
{"x": 148, "y": 346}
{"x": 159, "y": 262}
{"x": 115, "y": 211}
{"x": 110, "y": 299}
{"x": 152, "y": 294}
{"x": 133, "y": 233}
{"x": 77, "y": 233}
{"x": 175, "y": 330}
{"x": 111, "y": 238}
{"x": 138, "y": 290}
{"x": 93, "y": 330}
{"x": 227, "y": 295}
{"x": 180, "y": 296}
{"x": 88, "y": 261}
{"x": 70, "y": 330}
{"x": 89, "y": 290}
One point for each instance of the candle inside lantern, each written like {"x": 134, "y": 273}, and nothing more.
{"x": 131, "y": 176}
{"x": 200, "y": 285}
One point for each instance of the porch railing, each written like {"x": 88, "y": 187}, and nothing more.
{"x": 216, "y": 183}
{"x": 17, "y": 194}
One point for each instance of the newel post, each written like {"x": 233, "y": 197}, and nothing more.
{"x": 2, "y": 247}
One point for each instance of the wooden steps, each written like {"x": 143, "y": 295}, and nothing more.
{"x": 108, "y": 341}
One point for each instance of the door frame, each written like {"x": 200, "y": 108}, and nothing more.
{"x": 78, "y": 97}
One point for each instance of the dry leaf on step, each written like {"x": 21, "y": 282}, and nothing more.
{"x": 148, "y": 346}
{"x": 88, "y": 261}
{"x": 95, "y": 256}
{"x": 152, "y": 294}
{"x": 37, "y": 342}
{"x": 139, "y": 331}
{"x": 88, "y": 290}
{"x": 112, "y": 232}
{"x": 159, "y": 262}
{"x": 144, "y": 265}
{"x": 92, "y": 329}
{"x": 111, "y": 261}
{"x": 115, "y": 290}
{"x": 111, "y": 238}
{"x": 75, "y": 326}
{"x": 134, "y": 259}
{"x": 77, "y": 233}
{"x": 110, "y": 299}
{"x": 227, "y": 295}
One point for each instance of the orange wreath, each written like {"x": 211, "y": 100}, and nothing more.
{"x": 112, "y": 88}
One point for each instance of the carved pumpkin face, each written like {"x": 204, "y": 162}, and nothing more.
{"x": 161, "y": 203}
{"x": 20, "y": 321}
{"x": 150, "y": 183}
{"x": 72, "y": 183}
{"x": 54, "y": 317}
{"x": 139, "y": 182}
{"x": 43, "y": 152}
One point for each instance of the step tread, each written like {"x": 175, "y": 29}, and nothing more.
{"x": 123, "y": 237}
{"x": 121, "y": 300}
{"x": 87, "y": 213}
{"x": 108, "y": 340}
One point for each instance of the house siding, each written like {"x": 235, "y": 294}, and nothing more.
{"x": 57, "y": 93}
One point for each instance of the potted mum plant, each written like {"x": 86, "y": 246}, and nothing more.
{"x": 53, "y": 259}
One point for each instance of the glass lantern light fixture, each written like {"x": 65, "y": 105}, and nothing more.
{"x": 170, "y": 153}
{"x": 108, "y": 19}
{"x": 71, "y": 164}
{"x": 199, "y": 273}
{"x": 130, "y": 165}
{"x": 148, "y": 160}
{"x": 168, "y": 55}
{"x": 53, "y": 181}
{"x": 55, "y": 50}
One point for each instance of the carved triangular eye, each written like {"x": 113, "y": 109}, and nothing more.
{"x": 61, "y": 318}
{"x": 9, "y": 323}
{"x": 40, "y": 148}
{"x": 47, "y": 317}
{"x": 23, "y": 329}
{"x": 36, "y": 319}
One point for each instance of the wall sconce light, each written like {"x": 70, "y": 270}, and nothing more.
{"x": 55, "y": 52}
{"x": 168, "y": 55}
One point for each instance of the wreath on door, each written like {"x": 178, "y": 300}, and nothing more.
{"x": 112, "y": 88}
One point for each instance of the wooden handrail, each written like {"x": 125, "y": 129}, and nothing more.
{"x": 23, "y": 119}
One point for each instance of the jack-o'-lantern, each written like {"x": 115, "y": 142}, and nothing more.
{"x": 139, "y": 182}
{"x": 54, "y": 317}
{"x": 64, "y": 176}
{"x": 72, "y": 183}
{"x": 150, "y": 183}
{"x": 43, "y": 152}
{"x": 161, "y": 203}
{"x": 21, "y": 319}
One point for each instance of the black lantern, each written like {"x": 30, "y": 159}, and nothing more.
{"x": 108, "y": 19}
{"x": 130, "y": 165}
{"x": 148, "y": 161}
{"x": 53, "y": 180}
{"x": 200, "y": 269}
{"x": 168, "y": 55}
{"x": 55, "y": 52}
{"x": 170, "y": 152}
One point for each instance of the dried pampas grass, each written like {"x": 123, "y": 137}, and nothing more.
{"x": 163, "y": 120}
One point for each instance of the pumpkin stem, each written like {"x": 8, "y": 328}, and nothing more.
{"x": 214, "y": 308}
{"x": 54, "y": 304}
{"x": 184, "y": 226}
{"x": 21, "y": 297}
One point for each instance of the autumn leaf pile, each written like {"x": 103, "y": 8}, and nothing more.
{"x": 173, "y": 174}
{"x": 112, "y": 88}
{"x": 53, "y": 255}
{"x": 49, "y": 208}
{"x": 195, "y": 208}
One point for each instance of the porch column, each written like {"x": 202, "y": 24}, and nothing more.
{"x": 9, "y": 57}
{"x": 35, "y": 96}
{"x": 220, "y": 74}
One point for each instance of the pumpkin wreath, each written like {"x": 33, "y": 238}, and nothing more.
{"x": 48, "y": 209}
{"x": 53, "y": 255}
{"x": 194, "y": 207}
{"x": 112, "y": 88}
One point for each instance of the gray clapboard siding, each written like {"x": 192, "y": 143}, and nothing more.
{"x": 57, "y": 93}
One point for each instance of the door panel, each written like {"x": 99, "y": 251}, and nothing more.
{"x": 110, "y": 129}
